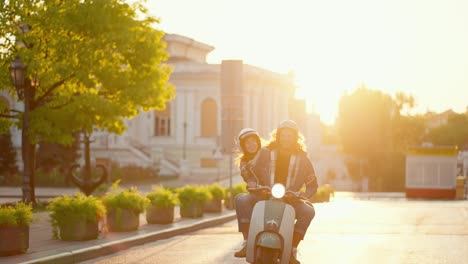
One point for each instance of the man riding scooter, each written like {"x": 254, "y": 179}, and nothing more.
{"x": 284, "y": 161}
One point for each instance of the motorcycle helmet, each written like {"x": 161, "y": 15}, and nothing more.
{"x": 288, "y": 124}
{"x": 246, "y": 132}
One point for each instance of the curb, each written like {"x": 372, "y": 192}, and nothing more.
{"x": 108, "y": 248}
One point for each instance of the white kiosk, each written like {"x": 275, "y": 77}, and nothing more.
{"x": 431, "y": 172}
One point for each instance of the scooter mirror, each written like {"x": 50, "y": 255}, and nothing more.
{"x": 278, "y": 190}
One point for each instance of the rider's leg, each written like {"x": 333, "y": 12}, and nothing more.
{"x": 304, "y": 215}
{"x": 244, "y": 207}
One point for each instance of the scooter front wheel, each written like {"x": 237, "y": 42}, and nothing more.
{"x": 266, "y": 255}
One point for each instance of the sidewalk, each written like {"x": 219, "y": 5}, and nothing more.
{"x": 44, "y": 249}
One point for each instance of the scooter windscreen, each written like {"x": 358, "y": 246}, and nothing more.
{"x": 278, "y": 190}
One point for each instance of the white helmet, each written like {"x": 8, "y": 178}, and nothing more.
{"x": 247, "y": 132}
{"x": 288, "y": 124}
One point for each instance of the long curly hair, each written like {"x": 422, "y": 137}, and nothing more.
{"x": 299, "y": 147}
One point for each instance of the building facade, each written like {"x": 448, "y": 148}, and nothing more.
{"x": 182, "y": 138}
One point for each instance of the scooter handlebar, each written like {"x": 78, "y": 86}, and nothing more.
{"x": 296, "y": 195}
{"x": 260, "y": 188}
{"x": 288, "y": 194}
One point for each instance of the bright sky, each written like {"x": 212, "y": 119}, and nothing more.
{"x": 419, "y": 47}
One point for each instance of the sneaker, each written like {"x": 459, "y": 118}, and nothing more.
{"x": 242, "y": 252}
{"x": 293, "y": 258}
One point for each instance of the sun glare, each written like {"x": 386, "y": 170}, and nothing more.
{"x": 336, "y": 46}
{"x": 322, "y": 94}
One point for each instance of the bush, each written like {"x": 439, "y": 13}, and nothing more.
{"x": 217, "y": 192}
{"x": 197, "y": 195}
{"x": 131, "y": 173}
{"x": 130, "y": 199}
{"x": 16, "y": 215}
{"x": 236, "y": 189}
{"x": 68, "y": 210}
{"x": 162, "y": 198}
{"x": 323, "y": 194}
{"x": 330, "y": 189}
{"x": 8, "y": 166}
{"x": 53, "y": 177}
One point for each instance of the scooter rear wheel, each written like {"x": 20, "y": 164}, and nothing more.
{"x": 267, "y": 256}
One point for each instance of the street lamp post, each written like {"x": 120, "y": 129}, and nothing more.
{"x": 184, "y": 146}
{"x": 24, "y": 88}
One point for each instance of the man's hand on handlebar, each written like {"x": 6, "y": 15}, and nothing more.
{"x": 295, "y": 196}
{"x": 259, "y": 189}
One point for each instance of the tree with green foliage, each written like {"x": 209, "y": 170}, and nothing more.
{"x": 366, "y": 123}
{"x": 53, "y": 155}
{"x": 97, "y": 63}
{"x": 94, "y": 63}
{"x": 454, "y": 133}
{"x": 5, "y": 123}
{"x": 409, "y": 130}
{"x": 7, "y": 156}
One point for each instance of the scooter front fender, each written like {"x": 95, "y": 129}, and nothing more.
{"x": 257, "y": 227}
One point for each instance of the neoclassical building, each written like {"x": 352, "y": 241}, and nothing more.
{"x": 182, "y": 139}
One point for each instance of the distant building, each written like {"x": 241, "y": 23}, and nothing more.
{"x": 439, "y": 119}
{"x": 431, "y": 172}
{"x": 182, "y": 138}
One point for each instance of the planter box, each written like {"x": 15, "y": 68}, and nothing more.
{"x": 126, "y": 220}
{"x": 13, "y": 240}
{"x": 214, "y": 206}
{"x": 79, "y": 231}
{"x": 228, "y": 205}
{"x": 155, "y": 215}
{"x": 191, "y": 211}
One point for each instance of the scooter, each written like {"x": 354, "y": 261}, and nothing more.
{"x": 271, "y": 227}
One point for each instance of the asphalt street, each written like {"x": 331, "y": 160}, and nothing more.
{"x": 347, "y": 230}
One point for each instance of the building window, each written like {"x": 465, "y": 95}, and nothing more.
{"x": 162, "y": 122}
{"x": 209, "y": 118}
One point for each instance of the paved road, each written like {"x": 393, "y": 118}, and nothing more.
{"x": 344, "y": 231}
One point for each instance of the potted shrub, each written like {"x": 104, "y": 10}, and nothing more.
{"x": 76, "y": 217}
{"x": 330, "y": 189}
{"x": 323, "y": 194}
{"x": 124, "y": 208}
{"x": 160, "y": 209}
{"x": 215, "y": 204}
{"x": 236, "y": 189}
{"x": 192, "y": 199}
{"x": 14, "y": 228}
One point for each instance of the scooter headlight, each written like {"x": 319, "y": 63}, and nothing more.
{"x": 278, "y": 190}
